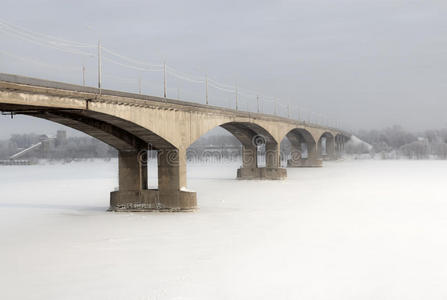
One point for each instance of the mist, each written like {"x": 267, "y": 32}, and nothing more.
{"x": 290, "y": 149}
{"x": 367, "y": 64}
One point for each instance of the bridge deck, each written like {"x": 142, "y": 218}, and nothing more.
{"x": 91, "y": 92}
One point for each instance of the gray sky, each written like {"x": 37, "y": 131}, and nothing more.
{"x": 367, "y": 63}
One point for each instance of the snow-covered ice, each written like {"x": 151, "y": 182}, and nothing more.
{"x": 349, "y": 230}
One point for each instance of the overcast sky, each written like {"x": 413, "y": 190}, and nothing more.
{"x": 367, "y": 63}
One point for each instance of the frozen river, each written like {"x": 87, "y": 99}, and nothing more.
{"x": 350, "y": 230}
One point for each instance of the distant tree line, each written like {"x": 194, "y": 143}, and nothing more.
{"x": 71, "y": 148}
{"x": 395, "y": 142}
{"x": 389, "y": 143}
{"x": 85, "y": 147}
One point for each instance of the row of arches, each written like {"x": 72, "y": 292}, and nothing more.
{"x": 133, "y": 141}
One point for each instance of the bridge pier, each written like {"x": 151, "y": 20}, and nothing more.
{"x": 339, "y": 146}
{"x": 133, "y": 194}
{"x": 173, "y": 195}
{"x": 330, "y": 149}
{"x": 311, "y": 161}
{"x": 297, "y": 160}
{"x": 132, "y": 178}
{"x": 250, "y": 169}
{"x": 329, "y": 152}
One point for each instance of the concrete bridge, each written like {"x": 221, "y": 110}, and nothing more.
{"x": 134, "y": 123}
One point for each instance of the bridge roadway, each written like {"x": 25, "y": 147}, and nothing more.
{"x": 134, "y": 123}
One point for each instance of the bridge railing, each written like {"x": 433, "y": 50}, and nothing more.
{"x": 95, "y": 65}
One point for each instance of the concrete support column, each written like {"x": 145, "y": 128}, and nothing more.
{"x": 312, "y": 160}
{"x": 132, "y": 171}
{"x": 338, "y": 146}
{"x": 133, "y": 194}
{"x": 272, "y": 158}
{"x": 250, "y": 170}
{"x": 330, "y": 148}
{"x": 313, "y": 157}
{"x": 249, "y": 156}
{"x": 173, "y": 194}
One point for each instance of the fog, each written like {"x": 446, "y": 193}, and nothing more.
{"x": 368, "y": 64}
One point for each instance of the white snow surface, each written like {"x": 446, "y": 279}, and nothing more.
{"x": 349, "y": 230}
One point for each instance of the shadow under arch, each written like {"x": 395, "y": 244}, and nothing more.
{"x": 340, "y": 140}
{"x": 326, "y": 146}
{"x": 113, "y": 136}
{"x": 303, "y": 149}
{"x": 132, "y": 143}
{"x": 252, "y": 137}
{"x": 121, "y": 134}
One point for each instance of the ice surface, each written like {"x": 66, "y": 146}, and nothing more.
{"x": 350, "y": 230}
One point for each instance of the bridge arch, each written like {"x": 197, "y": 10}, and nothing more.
{"x": 243, "y": 130}
{"x": 249, "y": 134}
{"x": 326, "y": 145}
{"x": 122, "y": 134}
{"x": 303, "y": 152}
{"x": 115, "y": 137}
{"x": 253, "y": 137}
{"x": 132, "y": 158}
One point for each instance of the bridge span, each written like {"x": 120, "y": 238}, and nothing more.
{"x": 134, "y": 124}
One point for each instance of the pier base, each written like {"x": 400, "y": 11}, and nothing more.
{"x": 305, "y": 163}
{"x": 261, "y": 173}
{"x": 149, "y": 200}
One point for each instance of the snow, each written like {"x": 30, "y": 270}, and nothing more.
{"x": 349, "y": 230}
